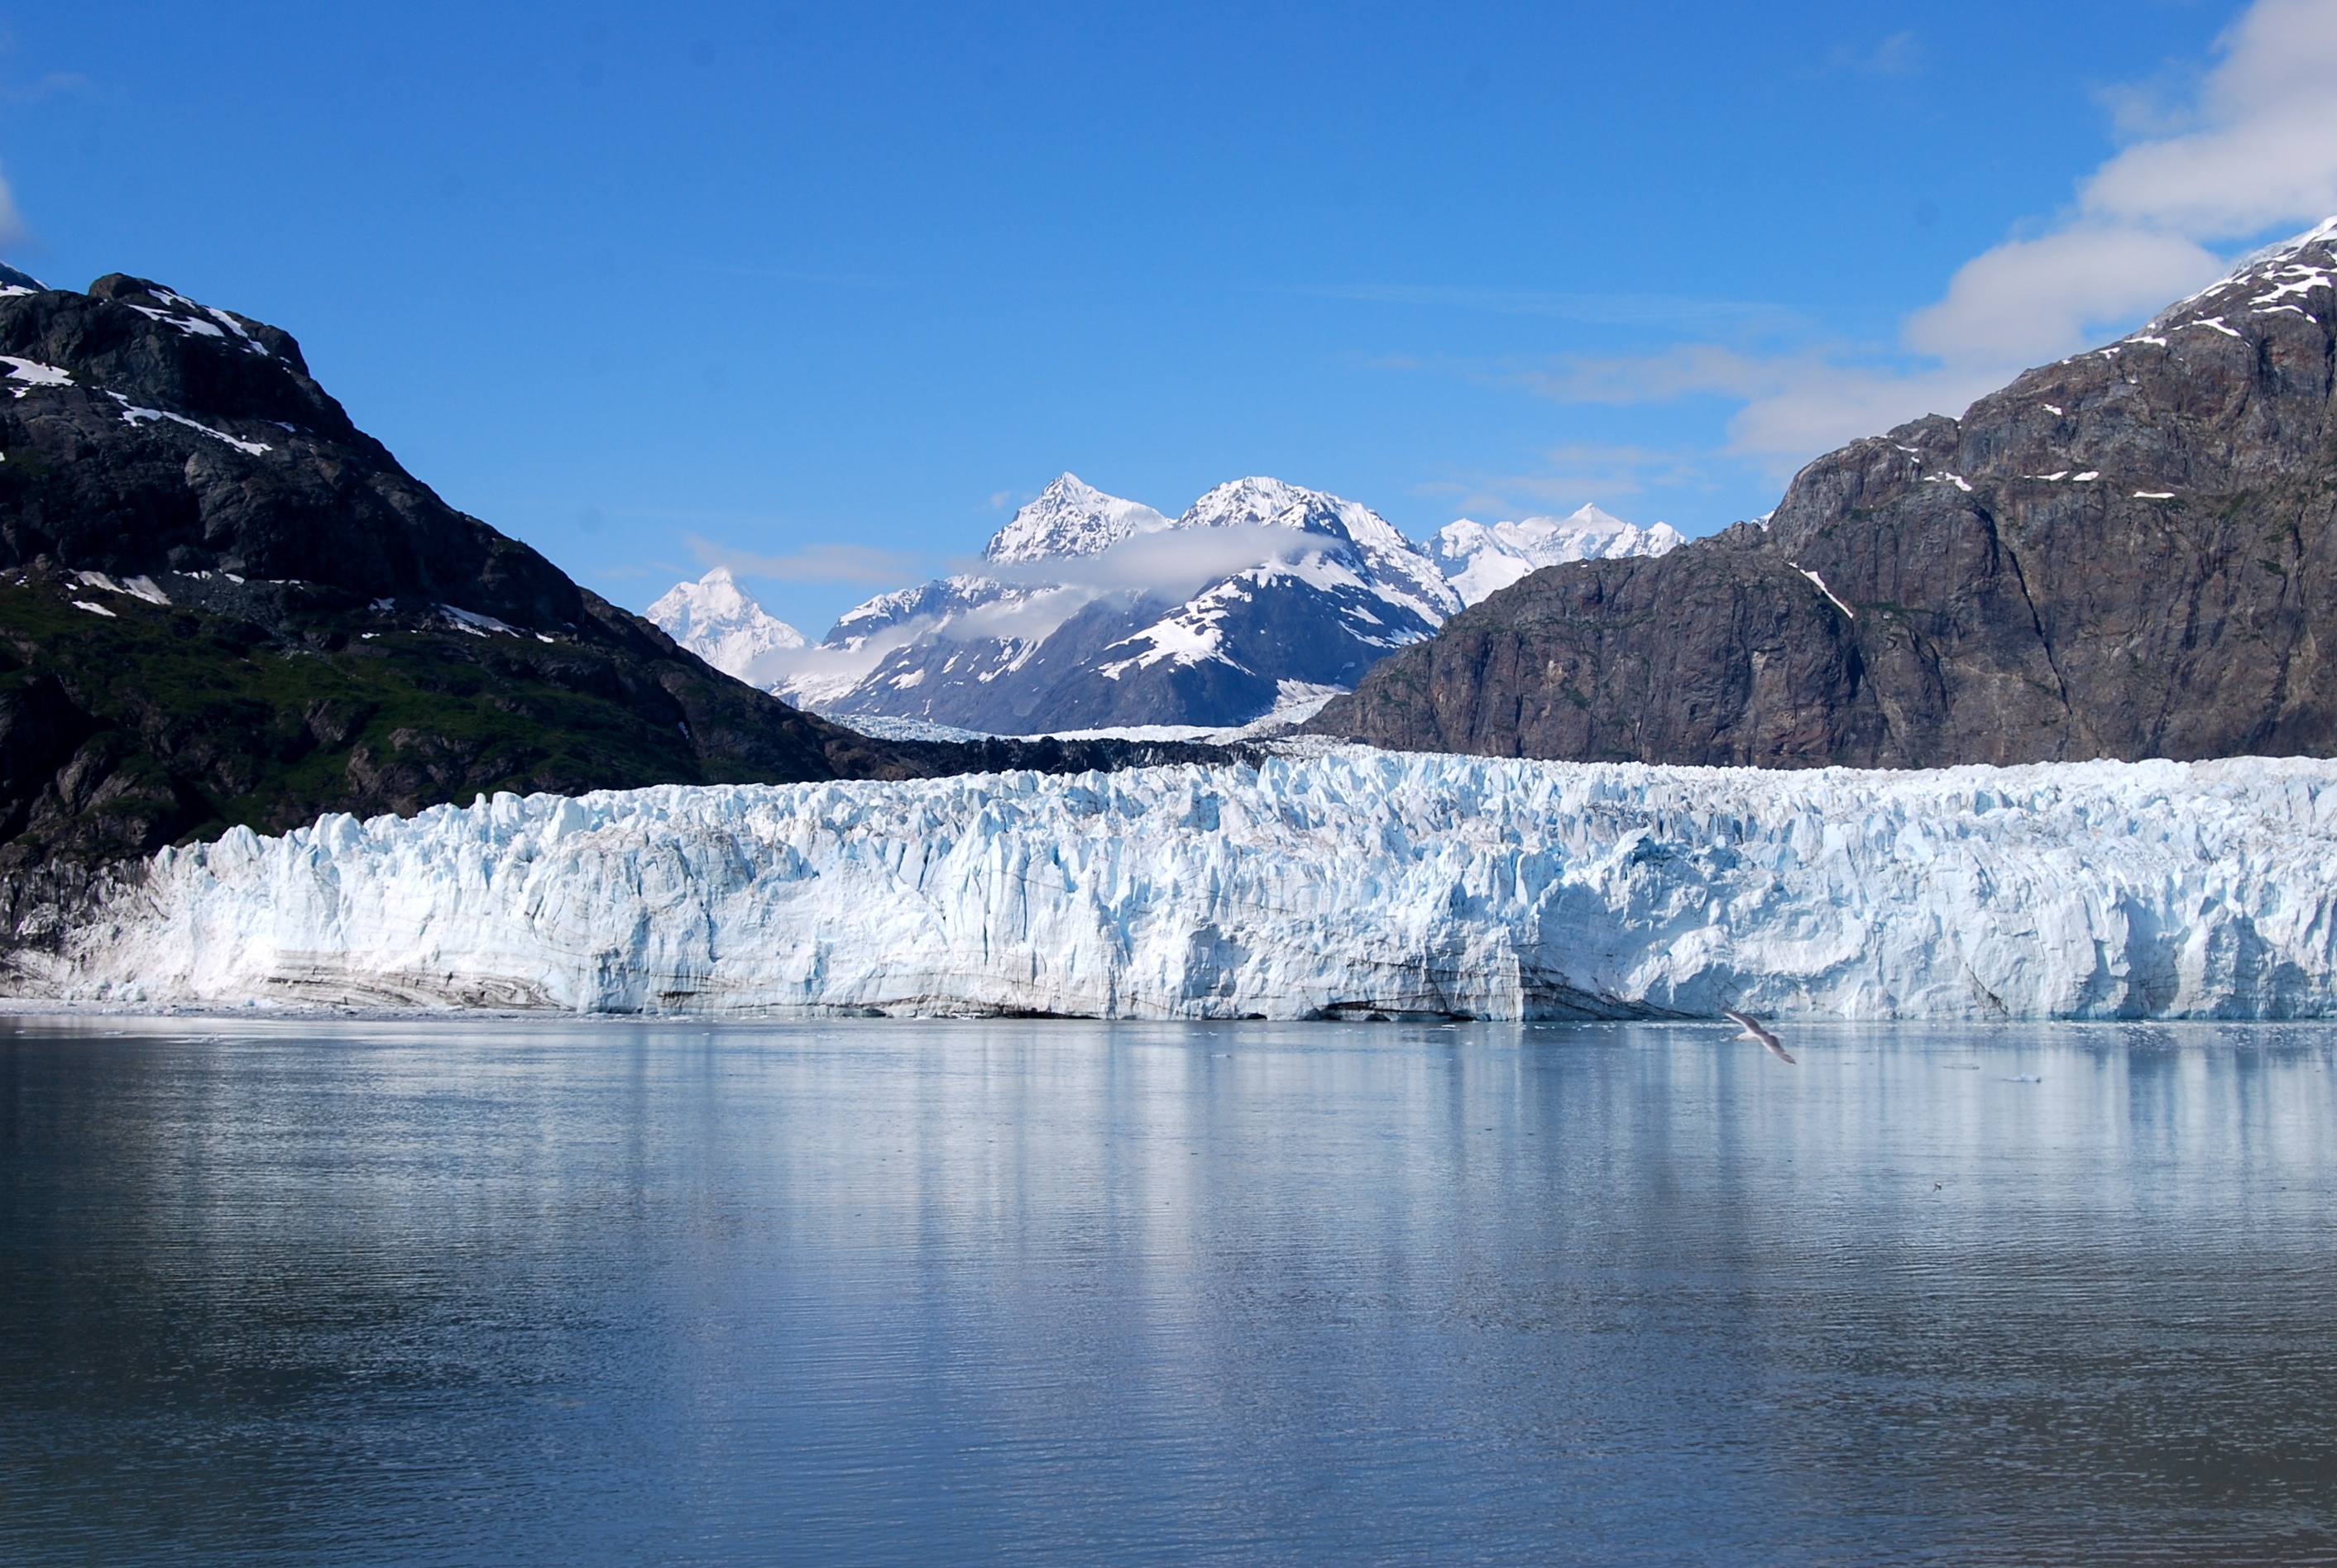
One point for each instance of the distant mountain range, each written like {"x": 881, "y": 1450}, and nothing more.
{"x": 1263, "y": 600}
{"x": 2129, "y": 553}
{"x": 1482, "y": 558}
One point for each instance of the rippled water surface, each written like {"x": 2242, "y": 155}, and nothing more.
{"x": 1058, "y": 1292}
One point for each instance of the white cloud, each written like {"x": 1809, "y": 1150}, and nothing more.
{"x": 1172, "y": 563}
{"x": 13, "y": 231}
{"x": 856, "y": 563}
{"x": 2255, "y": 149}
{"x": 2262, "y": 146}
{"x": 1897, "y": 55}
{"x": 2035, "y": 299}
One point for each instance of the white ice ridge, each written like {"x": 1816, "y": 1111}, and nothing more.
{"x": 1495, "y": 889}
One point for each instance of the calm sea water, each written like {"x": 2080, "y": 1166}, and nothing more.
{"x": 1056, "y": 1292}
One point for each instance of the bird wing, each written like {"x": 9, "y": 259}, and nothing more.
{"x": 1754, "y": 1032}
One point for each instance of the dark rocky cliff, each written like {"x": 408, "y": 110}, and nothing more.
{"x": 222, "y": 603}
{"x": 2130, "y": 553}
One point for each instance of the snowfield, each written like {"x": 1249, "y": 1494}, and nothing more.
{"x": 1349, "y": 880}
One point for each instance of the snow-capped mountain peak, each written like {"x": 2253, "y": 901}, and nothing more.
{"x": 1071, "y": 518}
{"x": 1396, "y": 567}
{"x": 2276, "y": 278}
{"x": 1259, "y": 502}
{"x": 716, "y": 619}
{"x": 1482, "y": 558}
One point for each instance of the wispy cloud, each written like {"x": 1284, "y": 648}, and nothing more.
{"x": 853, "y": 563}
{"x": 1572, "y": 474}
{"x": 1169, "y": 562}
{"x": 1166, "y": 565}
{"x": 789, "y": 274}
{"x": 2253, "y": 147}
{"x": 1590, "y": 309}
{"x": 2262, "y": 145}
{"x": 1794, "y": 405}
{"x": 13, "y": 231}
{"x": 49, "y": 86}
{"x": 1897, "y": 55}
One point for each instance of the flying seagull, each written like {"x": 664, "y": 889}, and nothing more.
{"x": 1754, "y": 1032}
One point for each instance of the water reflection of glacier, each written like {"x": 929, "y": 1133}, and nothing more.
{"x": 1453, "y": 885}
{"x": 558, "y": 1291}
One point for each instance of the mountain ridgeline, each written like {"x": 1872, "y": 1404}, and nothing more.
{"x": 2131, "y": 553}
{"x": 222, "y": 603}
{"x": 1261, "y": 601}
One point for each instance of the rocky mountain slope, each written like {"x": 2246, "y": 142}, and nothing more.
{"x": 1090, "y": 612}
{"x": 2130, "y": 553}
{"x": 222, "y": 603}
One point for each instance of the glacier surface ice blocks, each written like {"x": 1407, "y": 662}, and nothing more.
{"x": 1493, "y": 889}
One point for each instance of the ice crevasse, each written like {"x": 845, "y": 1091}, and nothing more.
{"x": 1344, "y": 881}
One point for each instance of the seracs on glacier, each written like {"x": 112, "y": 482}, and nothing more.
{"x": 1309, "y": 884}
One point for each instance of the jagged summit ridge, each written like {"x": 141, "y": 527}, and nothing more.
{"x": 2275, "y": 278}
{"x": 1482, "y": 558}
{"x": 1091, "y": 611}
{"x": 714, "y": 619}
{"x": 1069, "y": 518}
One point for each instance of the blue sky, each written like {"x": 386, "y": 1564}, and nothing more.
{"x": 825, "y": 291}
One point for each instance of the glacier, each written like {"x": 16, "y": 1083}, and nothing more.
{"x": 1341, "y": 881}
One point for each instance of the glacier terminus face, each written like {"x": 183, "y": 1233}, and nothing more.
{"x": 1339, "y": 883}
